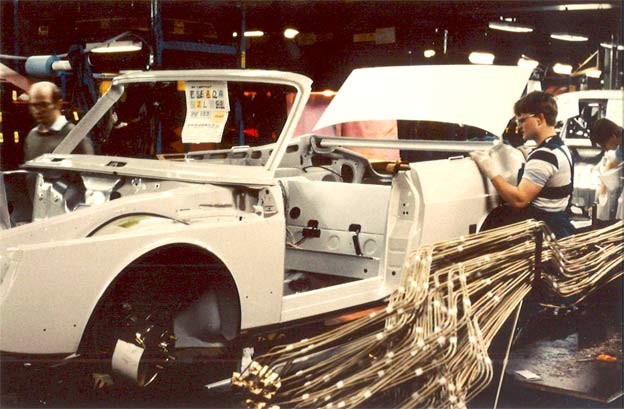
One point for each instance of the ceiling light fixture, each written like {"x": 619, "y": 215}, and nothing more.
{"x": 478, "y": 57}
{"x": 290, "y": 33}
{"x": 584, "y": 6}
{"x": 569, "y": 37}
{"x": 429, "y": 53}
{"x": 620, "y": 47}
{"x": 562, "y": 69}
{"x": 255, "y": 33}
{"x": 527, "y": 62}
{"x": 115, "y": 47}
{"x": 509, "y": 26}
{"x": 593, "y": 72}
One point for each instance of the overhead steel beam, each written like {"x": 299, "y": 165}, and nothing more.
{"x": 198, "y": 47}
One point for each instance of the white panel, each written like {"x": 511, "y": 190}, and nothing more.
{"x": 454, "y": 196}
{"x": 480, "y": 96}
{"x": 337, "y": 205}
{"x": 332, "y": 298}
{"x": 615, "y": 111}
{"x": 568, "y": 103}
{"x": 331, "y": 263}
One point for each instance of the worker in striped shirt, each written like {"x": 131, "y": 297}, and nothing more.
{"x": 545, "y": 187}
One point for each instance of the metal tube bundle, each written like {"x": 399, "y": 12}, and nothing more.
{"x": 429, "y": 346}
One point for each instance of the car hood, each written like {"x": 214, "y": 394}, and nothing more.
{"x": 430, "y": 93}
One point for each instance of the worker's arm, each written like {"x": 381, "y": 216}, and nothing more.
{"x": 516, "y": 196}
{"x": 611, "y": 164}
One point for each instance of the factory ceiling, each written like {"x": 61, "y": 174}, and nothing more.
{"x": 334, "y": 36}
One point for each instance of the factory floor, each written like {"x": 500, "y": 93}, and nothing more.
{"x": 575, "y": 356}
{"x": 560, "y": 350}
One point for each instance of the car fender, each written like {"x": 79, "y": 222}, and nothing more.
{"x": 51, "y": 318}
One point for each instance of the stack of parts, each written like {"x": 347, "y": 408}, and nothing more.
{"x": 429, "y": 346}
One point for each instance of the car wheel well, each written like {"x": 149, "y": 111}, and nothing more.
{"x": 174, "y": 274}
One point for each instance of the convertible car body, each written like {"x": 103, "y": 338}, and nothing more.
{"x": 202, "y": 220}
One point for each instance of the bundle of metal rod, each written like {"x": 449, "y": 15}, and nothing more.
{"x": 583, "y": 263}
{"x": 452, "y": 300}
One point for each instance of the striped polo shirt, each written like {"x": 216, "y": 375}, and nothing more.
{"x": 550, "y": 166}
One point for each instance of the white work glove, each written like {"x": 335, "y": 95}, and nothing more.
{"x": 485, "y": 163}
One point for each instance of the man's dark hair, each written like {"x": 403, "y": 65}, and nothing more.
{"x": 603, "y": 129}
{"x": 538, "y": 102}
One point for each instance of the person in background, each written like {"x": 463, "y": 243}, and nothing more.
{"x": 45, "y": 107}
{"x": 608, "y": 135}
{"x": 545, "y": 187}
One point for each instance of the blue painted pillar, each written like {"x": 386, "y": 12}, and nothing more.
{"x": 157, "y": 33}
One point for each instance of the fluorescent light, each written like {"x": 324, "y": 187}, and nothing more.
{"x": 429, "y": 53}
{"x": 612, "y": 45}
{"x": 255, "y": 33}
{"x": 508, "y": 26}
{"x": 593, "y": 73}
{"x": 568, "y": 37}
{"x": 477, "y": 57}
{"x": 328, "y": 93}
{"x": 116, "y": 47}
{"x": 563, "y": 69}
{"x": 290, "y": 33}
{"x": 584, "y": 6}
{"x": 527, "y": 62}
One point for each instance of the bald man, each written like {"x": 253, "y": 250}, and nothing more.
{"x": 45, "y": 106}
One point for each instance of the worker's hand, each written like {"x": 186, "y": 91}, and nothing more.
{"x": 485, "y": 163}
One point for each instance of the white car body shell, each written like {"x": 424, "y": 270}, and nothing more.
{"x": 56, "y": 270}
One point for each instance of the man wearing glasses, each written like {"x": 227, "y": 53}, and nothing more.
{"x": 45, "y": 107}
{"x": 545, "y": 187}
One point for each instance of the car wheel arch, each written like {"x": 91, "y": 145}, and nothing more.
{"x": 187, "y": 271}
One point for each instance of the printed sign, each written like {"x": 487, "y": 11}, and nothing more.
{"x": 207, "y": 109}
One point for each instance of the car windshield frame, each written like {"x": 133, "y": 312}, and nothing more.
{"x": 300, "y": 84}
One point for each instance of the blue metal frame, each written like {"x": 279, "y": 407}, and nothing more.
{"x": 160, "y": 45}
{"x": 16, "y": 33}
{"x": 197, "y": 47}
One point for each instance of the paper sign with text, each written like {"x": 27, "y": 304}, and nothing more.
{"x": 207, "y": 109}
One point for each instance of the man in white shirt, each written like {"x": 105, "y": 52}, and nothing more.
{"x": 45, "y": 106}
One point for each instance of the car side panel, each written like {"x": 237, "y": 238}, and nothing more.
{"x": 49, "y": 316}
